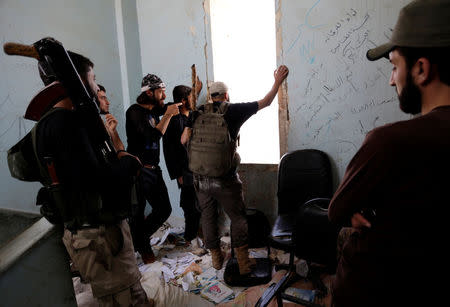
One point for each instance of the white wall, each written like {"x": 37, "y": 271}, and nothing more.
{"x": 335, "y": 94}
{"x": 173, "y": 36}
{"x": 84, "y": 26}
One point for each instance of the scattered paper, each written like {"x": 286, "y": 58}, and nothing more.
{"x": 207, "y": 275}
{"x": 154, "y": 240}
{"x": 168, "y": 275}
{"x": 177, "y": 230}
{"x": 216, "y": 292}
{"x": 164, "y": 237}
{"x": 188, "y": 281}
{"x": 194, "y": 268}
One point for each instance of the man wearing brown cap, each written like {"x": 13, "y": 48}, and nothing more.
{"x": 395, "y": 191}
{"x": 217, "y": 187}
{"x": 144, "y": 130}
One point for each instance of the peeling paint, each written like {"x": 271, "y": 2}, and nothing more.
{"x": 279, "y": 36}
{"x": 283, "y": 99}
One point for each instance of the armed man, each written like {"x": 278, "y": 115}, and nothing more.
{"x": 93, "y": 198}
{"x": 212, "y": 133}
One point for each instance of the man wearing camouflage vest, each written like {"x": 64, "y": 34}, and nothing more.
{"x": 221, "y": 185}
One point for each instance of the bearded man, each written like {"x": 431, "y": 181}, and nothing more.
{"x": 395, "y": 190}
{"x": 144, "y": 130}
{"x": 176, "y": 157}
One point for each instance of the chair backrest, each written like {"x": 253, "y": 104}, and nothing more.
{"x": 303, "y": 175}
{"x": 314, "y": 236}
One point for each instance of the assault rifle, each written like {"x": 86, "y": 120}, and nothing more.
{"x": 56, "y": 58}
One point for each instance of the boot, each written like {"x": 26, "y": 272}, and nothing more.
{"x": 148, "y": 256}
{"x": 217, "y": 258}
{"x": 245, "y": 263}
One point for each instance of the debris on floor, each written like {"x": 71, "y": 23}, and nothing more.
{"x": 182, "y": 274}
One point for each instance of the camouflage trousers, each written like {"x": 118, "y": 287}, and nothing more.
{"x": 105, "y": 258}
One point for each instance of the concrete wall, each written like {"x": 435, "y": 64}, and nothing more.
{"x": 87, "y": 27}
{"x": 335, "y": 95}
{"x": 173, "y": 36}
{"x": 132, "y": 51}
{"x": 332, "y": 98}
{"x": 259, "y": 185}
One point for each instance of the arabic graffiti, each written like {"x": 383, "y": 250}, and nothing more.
{"x": 337, "y": 27}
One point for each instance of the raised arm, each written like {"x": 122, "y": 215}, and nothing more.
{"x": 279, "y": 74}
{"x": 164, "y": 122}
{"x": 111, "y": 125}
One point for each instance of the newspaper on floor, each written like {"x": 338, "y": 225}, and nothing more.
{"x": 216, "y": 292}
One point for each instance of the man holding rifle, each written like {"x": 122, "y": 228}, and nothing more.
{"x": 176, "y": 157}
{"x": 94, "y": 198}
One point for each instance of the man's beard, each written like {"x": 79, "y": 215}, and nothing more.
{"x": 158, "y": 109}
{"x": 410, "y": 97}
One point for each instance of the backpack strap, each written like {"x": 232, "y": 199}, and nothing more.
{"x": 208, "y": 108}
{"x": 46, "y": 179}
{"x": 222, "y": 108}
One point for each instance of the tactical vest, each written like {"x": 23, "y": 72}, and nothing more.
{"x": 212, "y": 151}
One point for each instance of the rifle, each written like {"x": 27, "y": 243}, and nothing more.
{"x": 194, "y": 87}
{"x": 56, "y": 57}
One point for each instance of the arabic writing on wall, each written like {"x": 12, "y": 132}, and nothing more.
{"x": 338, "y": 95}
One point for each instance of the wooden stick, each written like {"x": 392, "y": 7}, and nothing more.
{"x": 20, "y": 49}
{"x": 194, "y": 87}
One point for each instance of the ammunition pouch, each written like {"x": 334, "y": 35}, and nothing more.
{"x": 49, "y": 198}
{"x": 73, "y": 209}
{"x": 22, "y": 162}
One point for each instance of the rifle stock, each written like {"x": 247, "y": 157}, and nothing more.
{"x": 53, "y": 53}
{"x": 43, "y": 101}
{"x": 22, "y": 50}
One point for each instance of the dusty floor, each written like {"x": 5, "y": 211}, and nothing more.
{"x": 164, "y": 280}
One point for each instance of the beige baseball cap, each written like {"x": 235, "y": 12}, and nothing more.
{"x": 421, "y": 23}
{"x": 218, "y": 88}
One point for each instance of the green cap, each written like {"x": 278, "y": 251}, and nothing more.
{"x": 421, "y": 23}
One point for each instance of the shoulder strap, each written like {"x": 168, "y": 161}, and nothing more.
{"x": 43, "y": 170}
{"x": 208, "y": 108}
{"x": 223, "y": 107}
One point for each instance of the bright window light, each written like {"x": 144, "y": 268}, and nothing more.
{"x": 244, "y": 57}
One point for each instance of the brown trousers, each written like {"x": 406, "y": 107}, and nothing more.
{"x": 226, "y": 192}
{"x": 105, "y": 258}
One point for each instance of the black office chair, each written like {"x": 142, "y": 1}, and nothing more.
{"x": 302, "y": 175}
{"x": 314, "y": 239}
